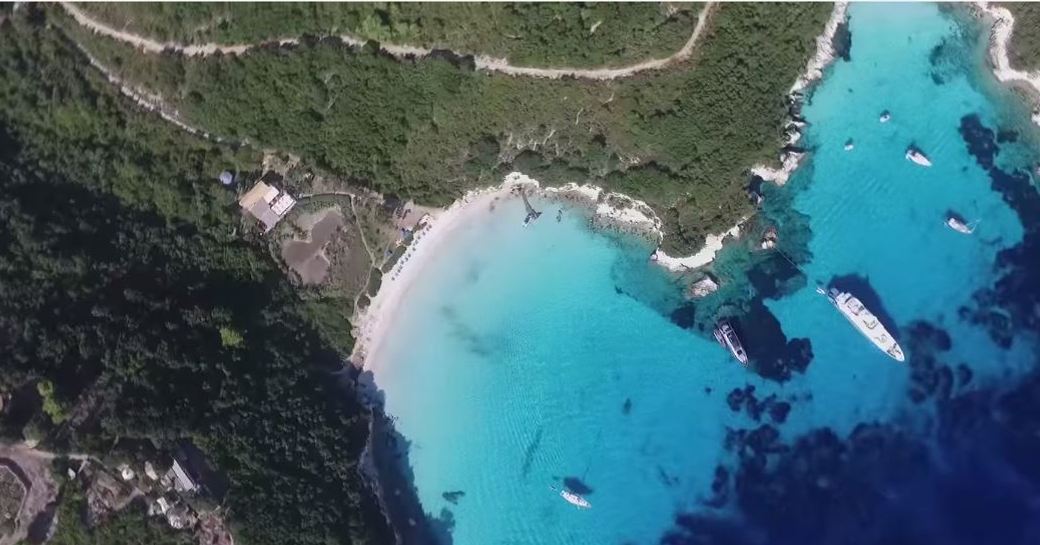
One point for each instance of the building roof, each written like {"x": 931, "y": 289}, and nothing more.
{"x": 283, "y": 204}
{"x": 254, "y": 195}
{"x": 262, "y": 212}
{"x": 182, "y": 482}
{"x": 162, "y": 505}
{"x": 271, "y": 194}
{"x": 267, "y": 204}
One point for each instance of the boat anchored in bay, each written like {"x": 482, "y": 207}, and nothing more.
{"x": 727, "y": 337}
{"x": 955, "y": 222}
{"x": 864, "y": 321}
{"x": 574, "y": 499}
{"x": 916, "y": 156}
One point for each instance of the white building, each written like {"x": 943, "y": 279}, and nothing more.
{"x": 267, "y": 204}
{"x": 181, "y": 480}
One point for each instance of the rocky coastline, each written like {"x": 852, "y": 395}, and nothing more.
{"x": 1003, "y": 26}
{"x": 831, "y": 44}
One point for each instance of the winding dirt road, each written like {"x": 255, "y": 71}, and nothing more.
{"x": 482, "y": 62}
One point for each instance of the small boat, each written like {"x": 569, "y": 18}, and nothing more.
{"x": 575, "y": 499}
{"x": 917, "y": 156}
{"x": 957, "y": 224}
{"x": 864, "y": 321}
{"x": 849, "y": 145}
{"x": 885, "y": 116}
{"x": 728, "y": 338}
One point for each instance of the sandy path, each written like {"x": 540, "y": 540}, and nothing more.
{"x": 482, "y": 62}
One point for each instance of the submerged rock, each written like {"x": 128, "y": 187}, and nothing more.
{"x": 702, "y": 288}
{"x": 454, "y": 496}
{"x": 964, "y": 375}
{"x": 779, "y": 411}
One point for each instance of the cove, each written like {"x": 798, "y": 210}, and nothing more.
{"x": 539, "y": 357}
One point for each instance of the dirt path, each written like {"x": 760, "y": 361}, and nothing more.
{"x": 149, "y": 101}
{"x": 482, "y": 62}
{"x": 42, "y": 491}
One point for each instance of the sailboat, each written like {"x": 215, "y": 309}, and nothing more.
{"x": 572, "y": 498}
{"x": 575, "y": 499}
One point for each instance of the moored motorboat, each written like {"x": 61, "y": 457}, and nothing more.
{"x": 864, "y": 321}
{"x": 885, "y": 116}
{"x": 727, "y": 337}
{"x": 914, "y": 154}
{"x": 957, "y": 224}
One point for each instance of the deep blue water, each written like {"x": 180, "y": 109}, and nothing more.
{"x": 557, "y": 356}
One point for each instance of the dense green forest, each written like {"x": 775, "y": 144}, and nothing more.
{"x": 122, "y": 280}
{"x": 1024, "y": 49}
{"x": 537, "y": 34}
{"x": 682, "y": 139}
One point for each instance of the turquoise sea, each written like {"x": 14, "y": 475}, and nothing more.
{"x": 532, "y": 359}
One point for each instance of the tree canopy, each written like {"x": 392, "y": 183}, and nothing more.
{"x": 126, "y": 292}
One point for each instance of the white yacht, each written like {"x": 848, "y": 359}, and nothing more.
{"x": 917, "y": 156}
{"x": 728, "y": 338}
{"x": 865, "y": 321}
{"x": 955, "y": 223}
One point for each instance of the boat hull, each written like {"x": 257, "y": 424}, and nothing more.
{"x": 865, "y": 322}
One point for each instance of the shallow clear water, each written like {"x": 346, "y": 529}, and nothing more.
{"x": 524, "y": 358}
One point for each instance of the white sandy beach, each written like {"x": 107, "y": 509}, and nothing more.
{"x": 611, "y": 208}
{"x": 375, "y": 320}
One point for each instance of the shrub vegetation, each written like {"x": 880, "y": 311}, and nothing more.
{"x": 537, "y": 34}
{"x": 682, "y": 139}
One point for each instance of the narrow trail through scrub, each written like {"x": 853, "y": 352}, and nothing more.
{"x": 481, "y": 62}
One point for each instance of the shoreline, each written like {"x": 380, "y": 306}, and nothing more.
{"x": 1002, "y": 28}
{"x": 608, "y": 212}
{"x": 373, "y": 321}
{"x": 791, "y": 156}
